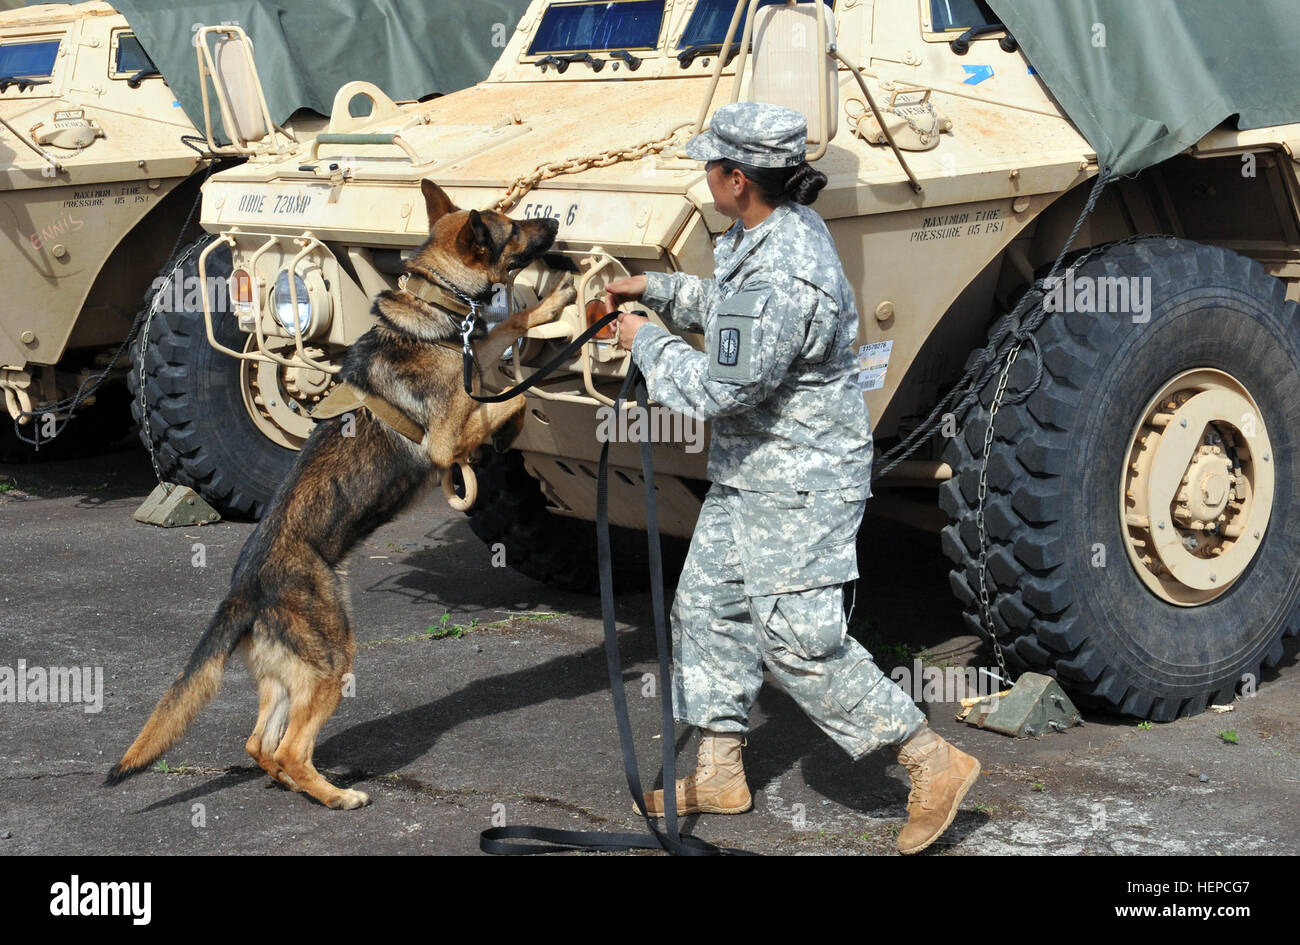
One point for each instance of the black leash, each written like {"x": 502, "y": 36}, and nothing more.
{"x": 505, "y": 840}
{"x": 537, "y": 376}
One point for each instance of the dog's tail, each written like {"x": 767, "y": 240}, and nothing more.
{"x": 192, "y": 690}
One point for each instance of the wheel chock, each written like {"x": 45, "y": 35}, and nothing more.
{"x": 1035, "y": 705}
{"x": 170, "y": 506}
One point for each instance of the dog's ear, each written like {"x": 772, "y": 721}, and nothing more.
{"x": 476, "y": 233}
{"x": 436, "y": 202}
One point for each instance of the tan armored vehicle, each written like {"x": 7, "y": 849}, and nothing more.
{"x": 1128, "y": 523}
{"x": 95, "y": 186}
{"x": 99, "y": 178}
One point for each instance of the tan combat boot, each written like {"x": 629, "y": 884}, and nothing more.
{"x": 941, "y": 776}
{"x": 718, "y": 784}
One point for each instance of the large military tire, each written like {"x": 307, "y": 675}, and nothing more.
{"x": 1065, "y": 595}
{"x": 556, "y": 549}
{"x": 198, "y": 427}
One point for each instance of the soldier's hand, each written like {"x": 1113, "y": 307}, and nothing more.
{"x": 626, "y": 289}
{"x": 628, "y": 324}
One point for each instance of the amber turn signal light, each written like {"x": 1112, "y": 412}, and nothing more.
{"x": 595, "y": 312}
{"x": 241, "y": 287}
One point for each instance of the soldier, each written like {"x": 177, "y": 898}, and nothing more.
{"x": 790, "y": 465}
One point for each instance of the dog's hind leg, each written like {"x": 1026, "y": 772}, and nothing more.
{"x": 272, "y": 717}
{"x": 311, "y": 656}
{"x": 312, "y": 702}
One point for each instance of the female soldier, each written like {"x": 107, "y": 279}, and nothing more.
{"x": 790, "y": 463}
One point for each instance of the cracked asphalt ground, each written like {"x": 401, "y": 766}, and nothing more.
{"x": 513, "y": 719}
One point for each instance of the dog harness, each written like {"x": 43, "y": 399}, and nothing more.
{"x": 345, "y": 398}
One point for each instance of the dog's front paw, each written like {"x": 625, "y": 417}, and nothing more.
{"x": 549, "y": 308}
{"x": 562, "y": 295}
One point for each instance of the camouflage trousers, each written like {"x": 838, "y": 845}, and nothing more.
{"x": 763, "y": 584}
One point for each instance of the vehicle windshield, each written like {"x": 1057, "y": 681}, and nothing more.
{"x": 949, "y": 16}
{"x": 131, "y": 56}
{"x": 28, "y": 60}
{"x": 708, "y": 24}
{"x": 596, "y": 27}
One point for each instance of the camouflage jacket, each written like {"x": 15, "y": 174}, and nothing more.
{"x": 779, "y": 376}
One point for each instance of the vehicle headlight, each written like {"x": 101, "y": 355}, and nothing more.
{"x": 282, "y": 303}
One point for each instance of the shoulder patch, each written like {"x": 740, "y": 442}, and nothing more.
{"x": 728, "y": 346}
{"x": 736, "y": 335}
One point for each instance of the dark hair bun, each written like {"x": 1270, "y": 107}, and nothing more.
{"x": 778, "y": 184}
{"x": 804, "y": 184}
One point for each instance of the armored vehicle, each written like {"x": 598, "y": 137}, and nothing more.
{"x": 96, "y": 183}
{"x": 1089, "y": 350}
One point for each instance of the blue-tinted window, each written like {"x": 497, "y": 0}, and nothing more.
{"x": 960, "y": 15}
{"x": 131, "y": 56}
{"x": 708, "y": 24}
{"x": 28, "y": 60}
{"x": 579, "y": 27}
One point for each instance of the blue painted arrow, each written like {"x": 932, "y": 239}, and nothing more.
{"x": 977, "y": 74}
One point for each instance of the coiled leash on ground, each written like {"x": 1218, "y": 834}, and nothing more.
{"x": 526, "y": 839}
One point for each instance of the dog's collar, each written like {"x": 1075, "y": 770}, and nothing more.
{"x": 451, "y": 298}
{"x": 435, "y": 293}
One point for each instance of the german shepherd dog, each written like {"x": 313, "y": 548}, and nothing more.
{"x": 287, "y": 611}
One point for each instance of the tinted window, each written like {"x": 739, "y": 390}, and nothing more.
{"x": 28, "y": 60}
{"x": 960, "y": 15}
{"x": 578, "y": 27}
{"x": 131, "y": 56}
{"x": 708, "y": 24}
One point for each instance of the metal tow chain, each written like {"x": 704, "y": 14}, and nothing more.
{"x": 144, "y": 381}
{"x": 546, "y": 171}
{"x": 985, "y": 613}
{"x": 1021, "y": 335}
{"x": 154, "y": 304}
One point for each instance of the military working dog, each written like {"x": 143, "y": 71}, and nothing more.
{"x": 286, "y": 610}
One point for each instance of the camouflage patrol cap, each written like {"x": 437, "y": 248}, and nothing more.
{"x": 754, "y": 133}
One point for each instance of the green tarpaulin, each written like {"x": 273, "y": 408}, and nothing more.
{"x": 307, "y": 49}
{"x": 1144, "y": 79}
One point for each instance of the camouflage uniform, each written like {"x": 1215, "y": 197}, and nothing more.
{"x": 790, "y": 459}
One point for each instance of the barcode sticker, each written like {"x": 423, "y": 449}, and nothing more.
{"x": 873, "y": 363}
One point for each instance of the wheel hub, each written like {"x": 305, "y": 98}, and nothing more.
{"x": 1206, "y": 489}
{"x": 1197, "y": 492}
{"x": 306, "y": 384}
{"x": 280, "y": 399}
